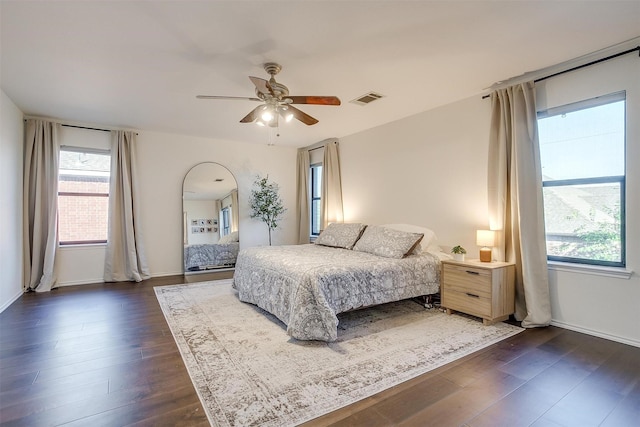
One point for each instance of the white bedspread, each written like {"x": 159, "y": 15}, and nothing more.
{"x": 306, "y": 286}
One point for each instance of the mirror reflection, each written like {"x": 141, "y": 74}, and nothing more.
{"x": 210, "y": 216}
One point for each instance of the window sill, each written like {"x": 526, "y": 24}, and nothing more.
{"x": 82, "y": 246}
{"x": 616, "y": 272}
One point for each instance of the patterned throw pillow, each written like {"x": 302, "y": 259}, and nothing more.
{"x": 429, "y": 242}
{"x": 387, "y": 242}
{"x": 340, "y": 235}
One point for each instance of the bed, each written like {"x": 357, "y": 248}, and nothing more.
{"x": 307, "y": 286}
{"x": 210, "y": 256}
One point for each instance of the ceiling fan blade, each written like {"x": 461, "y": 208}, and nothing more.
{"x": 302, "y": 116}
{"x": 253, "y": 115}
{"x": 317, "y": 100}
{"x": 262, "y": 85}
{"x": 240, "y": 98}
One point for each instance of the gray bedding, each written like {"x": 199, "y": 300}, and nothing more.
{"x": 306, "y": 286}
{"x": 202, "y": 257}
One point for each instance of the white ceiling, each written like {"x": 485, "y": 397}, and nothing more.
{"x": 140, "y": 64}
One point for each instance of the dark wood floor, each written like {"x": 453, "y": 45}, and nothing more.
{"x": 103, "y": 355}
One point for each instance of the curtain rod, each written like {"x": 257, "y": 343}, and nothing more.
{"x": 89, "y": 128}
{"x": 82, "y": 127}
{"x": 588, "y": 64}
{"x": 321, "y": 144}
{"x": 85, "y": 127}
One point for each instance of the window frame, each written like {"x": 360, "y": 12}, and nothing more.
{"x": 620, "y": 179}
{"x": 83, "y": 150}
{"x": 313, "y": 184}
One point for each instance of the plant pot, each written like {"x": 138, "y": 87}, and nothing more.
{"x": 458, "y": 257}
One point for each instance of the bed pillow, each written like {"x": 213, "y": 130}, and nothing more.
{"x": 340, "y": 235}
{"x": 387, "y": 242}
{"x": 428, "y": 244}
{"x": 229, "y": 238}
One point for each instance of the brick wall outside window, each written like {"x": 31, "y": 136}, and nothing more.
{"x": 82, "y": 217}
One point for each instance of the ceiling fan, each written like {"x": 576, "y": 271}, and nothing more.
{"x": 276, "y": 101}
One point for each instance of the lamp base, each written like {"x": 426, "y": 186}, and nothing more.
{"x": 485, "y": 254}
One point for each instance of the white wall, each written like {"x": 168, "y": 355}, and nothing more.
{"x": 430, "y": 169}
{"x": 11, "y": 146}
{"x": 201, "y": 209}
{"x": 79, "y": 265}
{"x": 163, "y": 161}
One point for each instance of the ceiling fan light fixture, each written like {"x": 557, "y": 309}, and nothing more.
{"x": 287, "y": 116}
{"x": 267, "y": 116}
{"x": 275, "y": 101}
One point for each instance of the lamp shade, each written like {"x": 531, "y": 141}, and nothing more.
{"x": 486, "y": 238}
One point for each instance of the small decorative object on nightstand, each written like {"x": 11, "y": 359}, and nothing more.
{"x": 483, "y": 289}
{"x": 486, "y": 239}
{"x": 458, "y": 252}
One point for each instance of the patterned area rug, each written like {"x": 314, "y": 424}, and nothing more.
{"x": 249, "y": 372}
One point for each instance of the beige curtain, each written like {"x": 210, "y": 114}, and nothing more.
{"x": 40, "y": 205}
{"x": 515, "y": 199}
{"x": 234, "y": 211}
{"x": 302, "y": 198}
{"x": 125, "y": 259}
{"x": 331, "y": 201}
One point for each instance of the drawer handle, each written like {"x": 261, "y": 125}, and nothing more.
{"x": 472, "y": 272}
{"x": 473, "y": 295}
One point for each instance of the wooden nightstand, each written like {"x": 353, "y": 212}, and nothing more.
{"x": 483, "y": 289}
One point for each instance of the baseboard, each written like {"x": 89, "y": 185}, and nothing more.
{"x": 179, "y": 273}
{"x": 79, "y": 283}
{"x": 101, "y": 280}
{"x": 599, "y": 334}
{"x": 11, "y": 301}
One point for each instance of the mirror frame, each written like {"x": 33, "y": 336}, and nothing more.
{"x": 185, "y": 226}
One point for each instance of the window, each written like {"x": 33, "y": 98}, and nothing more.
{"x": 225, "y": 221}
{"x": 83, "y": 196}
{"x": 316, "y": 193}
{"x": 582, "y": 153}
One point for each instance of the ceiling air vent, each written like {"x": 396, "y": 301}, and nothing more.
{"x": 367, "y": 98}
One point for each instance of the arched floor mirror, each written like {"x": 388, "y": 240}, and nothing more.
{"x": 210, "y": 219}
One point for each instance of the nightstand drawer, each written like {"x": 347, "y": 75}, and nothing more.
{"x": 468, "y": 279}
{"x": 468, "y": 302}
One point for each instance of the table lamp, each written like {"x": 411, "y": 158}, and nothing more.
{"x": 486, "y": 239}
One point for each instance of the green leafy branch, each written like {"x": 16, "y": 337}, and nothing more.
{"x": 265, "y": 203}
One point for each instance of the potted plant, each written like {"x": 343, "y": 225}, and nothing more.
{"x": 458, "y": 253}
{"x": 266, "y": 204}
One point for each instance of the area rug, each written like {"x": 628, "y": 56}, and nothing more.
{"x": 249, "y": 372}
